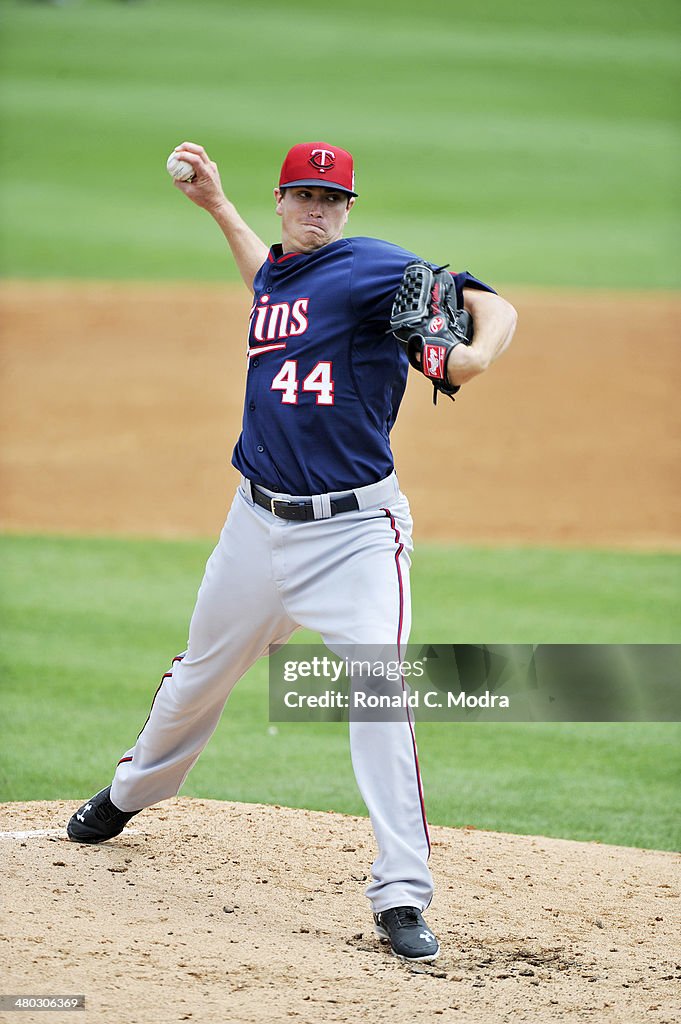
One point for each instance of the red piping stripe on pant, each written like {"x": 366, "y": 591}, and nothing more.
{"x": 166, "y": 675}
{"x": 400, "y": 549}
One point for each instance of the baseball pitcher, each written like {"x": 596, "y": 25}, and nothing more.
{"x": 319, "y": 532}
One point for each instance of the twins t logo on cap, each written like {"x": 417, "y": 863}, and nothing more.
{"x": 323, "y": 159}
{"x": 318, "y": 163}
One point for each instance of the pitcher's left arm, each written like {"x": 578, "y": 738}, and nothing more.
{"x": 494, "y": 323}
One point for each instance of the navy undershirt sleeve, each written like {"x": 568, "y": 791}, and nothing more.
{"x": 464, "y": 279}
{"x": 377, "y": 273}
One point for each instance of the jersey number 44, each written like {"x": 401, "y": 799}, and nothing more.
{"x": 319, "y": 381}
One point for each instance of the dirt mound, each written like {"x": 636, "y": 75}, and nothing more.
{"x": 219, "y": 912}
{"x": 121, "y": 405}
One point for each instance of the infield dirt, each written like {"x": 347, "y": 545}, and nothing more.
{"x": 247, "y": 914}
{"x": 121, "y": 405}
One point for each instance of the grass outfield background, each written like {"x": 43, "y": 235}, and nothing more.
{"x": 82, "y": 659}
{"x": 535, "y": 141}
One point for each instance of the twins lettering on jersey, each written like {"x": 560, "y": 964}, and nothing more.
{"x": 275, "y": 323}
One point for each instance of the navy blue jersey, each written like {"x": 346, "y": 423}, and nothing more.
{"x": 325, "y": 374}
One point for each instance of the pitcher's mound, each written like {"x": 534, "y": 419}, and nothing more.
{"x": 209, "y": 911}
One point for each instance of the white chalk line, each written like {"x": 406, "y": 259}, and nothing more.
{"x": 36, "y": 833}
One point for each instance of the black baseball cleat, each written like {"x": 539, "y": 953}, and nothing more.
{"x": 408, "y": 934}
{"x": 98, "y": 820}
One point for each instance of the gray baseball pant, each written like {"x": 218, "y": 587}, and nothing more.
{"x": 345, "y": 577}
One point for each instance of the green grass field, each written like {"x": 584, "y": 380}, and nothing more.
{"x": 89, "y": 626}
{"x": 534, "y": 142}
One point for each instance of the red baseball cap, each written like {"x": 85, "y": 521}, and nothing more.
{"x": 318, "y": 163}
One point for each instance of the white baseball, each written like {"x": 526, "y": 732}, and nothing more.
{"x": 178, "y": 169}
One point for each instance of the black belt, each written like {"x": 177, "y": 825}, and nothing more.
{"x": 301, "y": 511}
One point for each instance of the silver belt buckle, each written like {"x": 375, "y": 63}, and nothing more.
{"x": 277, "y": 501}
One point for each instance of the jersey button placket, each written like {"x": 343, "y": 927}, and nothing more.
{"x": 255, "y": 362}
